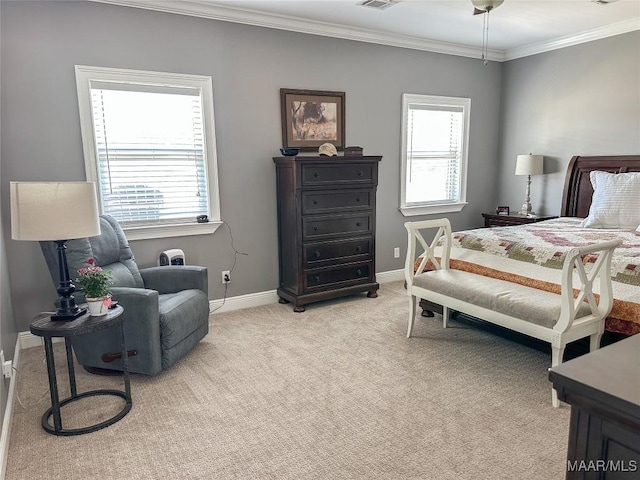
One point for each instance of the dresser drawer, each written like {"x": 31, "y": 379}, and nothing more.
{"x": 331, "y": 174}
{"x": 318, "y": 254}
{"x": 335, "y": 226}
{"x": 336, "y": 200}
{"x": 337, "y": 276}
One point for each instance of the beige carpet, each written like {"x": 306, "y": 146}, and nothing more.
{"x": 337, "y": 392}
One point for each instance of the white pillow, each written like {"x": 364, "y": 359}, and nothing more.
{"x": 615, "y": 202}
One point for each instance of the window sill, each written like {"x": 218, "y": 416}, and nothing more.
{"x": 166, "y": 231}
{"x": 431, "y": 209}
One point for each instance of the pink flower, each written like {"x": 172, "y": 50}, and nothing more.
{"x": 93, "y": 280}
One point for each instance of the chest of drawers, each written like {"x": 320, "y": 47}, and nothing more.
{"x": 326, "y": 227}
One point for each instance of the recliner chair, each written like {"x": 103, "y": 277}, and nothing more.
{"x": 166, "y": 309}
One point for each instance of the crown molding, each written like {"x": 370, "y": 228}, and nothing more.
{"x": 619, "y": 28}
{"x": 196, "y": 8}
{"x": 312, "y": 27}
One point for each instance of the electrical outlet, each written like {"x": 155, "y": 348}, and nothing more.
{"x": 226, "y": 277}
{"x": 7, "y": 369}
{"x": 6, "y": 366}
{"x": 396, "y": 252}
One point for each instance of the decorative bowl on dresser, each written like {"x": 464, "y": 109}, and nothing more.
{"x": 289, "y": 152}
{"x": 326, "y": 227}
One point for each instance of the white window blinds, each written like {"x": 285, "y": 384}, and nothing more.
{"x": 434, "y": 140}
{"x": 150, "y": 153}
{"x": 434, "y": 145}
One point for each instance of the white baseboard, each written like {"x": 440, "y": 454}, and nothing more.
{"x": 28, "y": 339}
{"x": 390, "y": 276}
{"x": 243, "y": 301}
{"x": 5, "y": 436}
{"x": 258, "y": 299}
{"x": 266, "y": 298}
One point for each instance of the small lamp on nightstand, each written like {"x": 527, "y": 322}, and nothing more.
{"x": 528, "y": 165}
{"x": 56, "y": 211}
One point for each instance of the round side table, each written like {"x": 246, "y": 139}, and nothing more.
{"x": 43, "y": 326}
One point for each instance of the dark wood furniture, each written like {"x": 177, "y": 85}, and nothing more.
{"x": 603, "y": 389}
{"x": 326, "y": 227}
{"x": 576, "y": 196}
{"x": 43, "y": 326}
{"x": 492, "y": 220}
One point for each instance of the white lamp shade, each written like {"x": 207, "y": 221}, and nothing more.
{"x": 529, "y": 164}
{"x": 53, "y": 210}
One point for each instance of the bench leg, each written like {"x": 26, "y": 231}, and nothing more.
{"x": 445, "y": 316}
{"x": 594, "y": 341}
{"x": 412, "y": 314}
{"x": 557, "y": 353}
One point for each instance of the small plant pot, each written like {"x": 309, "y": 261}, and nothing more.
{"x": 99, "y": 306}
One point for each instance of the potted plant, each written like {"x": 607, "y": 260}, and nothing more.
{"x": 96, "y": 285}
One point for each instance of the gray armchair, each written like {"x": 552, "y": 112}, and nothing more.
{"x": 166, "y": 309}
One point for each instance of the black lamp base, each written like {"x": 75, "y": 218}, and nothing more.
{"x": 68, "y": 310}
{"x": 63, "y": 316}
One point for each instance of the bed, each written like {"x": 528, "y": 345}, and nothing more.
{"x": 531, "y": 254}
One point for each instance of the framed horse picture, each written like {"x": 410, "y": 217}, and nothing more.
{"x": 311, "y": 118}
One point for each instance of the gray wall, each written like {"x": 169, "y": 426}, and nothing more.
{"x": 42, "y": 41}
{"x": 581, "y": 100}
{"x": 8, "y": 332}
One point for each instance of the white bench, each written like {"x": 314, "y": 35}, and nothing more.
{"x": 557, "y": 319}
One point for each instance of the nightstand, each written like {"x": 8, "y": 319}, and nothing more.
{"x": 494, "y": 220}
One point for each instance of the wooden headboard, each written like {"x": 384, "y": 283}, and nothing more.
{"x": 576, "y": 197}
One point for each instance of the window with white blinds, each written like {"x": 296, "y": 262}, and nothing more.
{"x": 147, "y": 148}
{"x": 434, "y": 154}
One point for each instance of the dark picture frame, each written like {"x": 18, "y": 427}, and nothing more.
{"x": 311, "y": 118}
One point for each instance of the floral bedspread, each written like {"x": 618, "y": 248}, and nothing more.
{"x": 546, "y": 244}
{"x": 543, "y": 245}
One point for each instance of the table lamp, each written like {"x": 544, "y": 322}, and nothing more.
{"x": 528, "y": 165}
{"x": 56, "y": 211}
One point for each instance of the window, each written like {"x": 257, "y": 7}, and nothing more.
{"x": 435, "y": 132}
{"x": 149, "y": 145}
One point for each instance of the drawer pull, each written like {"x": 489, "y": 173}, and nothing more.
{"x": 316, "y": 175}
{"x": 317, "y": 279}
{"x": 315, "y": 229}
{"x": 357, "y": 199}
{"x": 359, "y": 272}
{"x": 315, "y": 202}
{"x": 360, "y": 173}
{"x": 358, "y": 224}
{"x": 317, "y": 254}
{"x": 358, "y": 248}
